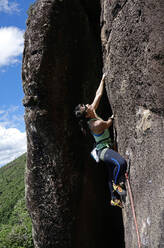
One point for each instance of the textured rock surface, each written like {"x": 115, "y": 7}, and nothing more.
{"x": 66, "y": 194}
{"x": 133, "y": 52}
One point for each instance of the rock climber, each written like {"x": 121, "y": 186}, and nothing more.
{"x": 116, "y": 164}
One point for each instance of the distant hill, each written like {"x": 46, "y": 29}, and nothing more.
{"x": 15, "y": 223}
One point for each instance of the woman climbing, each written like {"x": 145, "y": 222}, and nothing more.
{"x": 116, "y": 165}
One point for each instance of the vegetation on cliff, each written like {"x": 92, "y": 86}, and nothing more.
{"x": 15, "y": 223}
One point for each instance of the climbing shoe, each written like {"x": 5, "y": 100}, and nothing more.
{"x": 119, "y": 189}
{"x": 116, "y": 203}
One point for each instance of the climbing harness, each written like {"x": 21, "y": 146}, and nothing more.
{"x": 133, "y": 211}
{"x": 94, "y": 152}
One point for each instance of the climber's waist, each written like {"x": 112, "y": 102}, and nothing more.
{"x": 105, "y": 143}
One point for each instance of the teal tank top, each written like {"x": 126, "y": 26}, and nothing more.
{"x": 103, "y": 139}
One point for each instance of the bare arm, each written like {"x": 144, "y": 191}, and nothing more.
{"x": 99, "y": 93}
{"x": 99, "y": 125}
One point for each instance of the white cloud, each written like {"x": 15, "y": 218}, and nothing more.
{"x": 2, "y": 112}
{"x": 7, "y": 7}
{"x": 12, "y": 139}
{"x": 12, "y": 144}
{"x": 11, "y": 45}
{"x": 12, "y": 117}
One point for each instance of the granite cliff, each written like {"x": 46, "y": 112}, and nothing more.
{"x": 68, "y": 44}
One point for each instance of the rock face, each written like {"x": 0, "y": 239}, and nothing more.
{"x": 62, "y": 63}
{"x": 133, "y": 53}
{"x": 65, "y": 53}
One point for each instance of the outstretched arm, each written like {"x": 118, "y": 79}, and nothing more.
{"x": 99, "y": 93}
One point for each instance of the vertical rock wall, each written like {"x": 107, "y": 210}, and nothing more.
{"x": 66, "y": 194}
{"x": 133, "y": 55}
{"x": 62, "y": 65}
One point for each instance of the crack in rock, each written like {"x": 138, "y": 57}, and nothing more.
{"x": 118, "y": 8}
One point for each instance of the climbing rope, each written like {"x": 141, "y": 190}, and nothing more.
{"x": 133, "y": 211}
{"x": 129, "y": 190}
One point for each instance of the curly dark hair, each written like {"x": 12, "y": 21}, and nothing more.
{"x": 81, "y": 116}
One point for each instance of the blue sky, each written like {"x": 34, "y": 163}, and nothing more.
{"x": 13, "y": 16}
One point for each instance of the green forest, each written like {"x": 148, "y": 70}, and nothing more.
{"x": 15, "y": 223}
